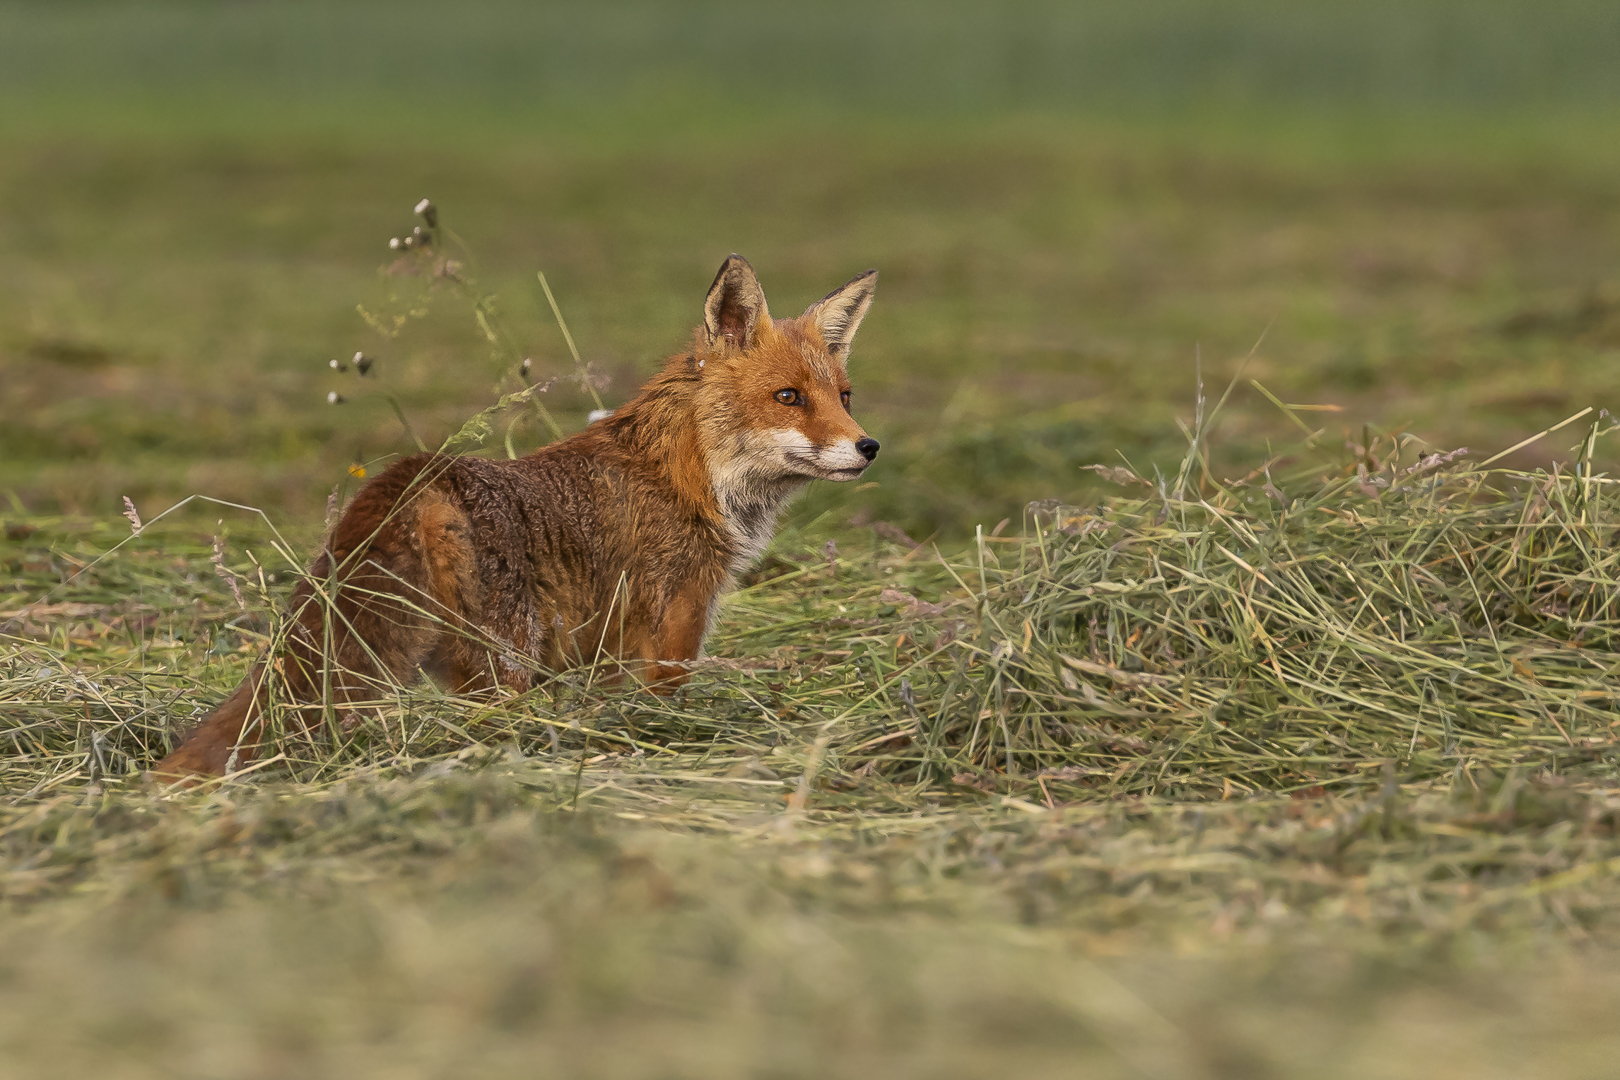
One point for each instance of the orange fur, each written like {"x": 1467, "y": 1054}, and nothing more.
{"x": 615, "y": 543}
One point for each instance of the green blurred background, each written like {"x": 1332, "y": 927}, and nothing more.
{"x": 1417, "y": 204}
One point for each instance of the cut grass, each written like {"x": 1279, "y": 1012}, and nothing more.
{"x": 503, "y": 914}
{"x": 1416, "y": 614}
{"x": 1337, "y": 737}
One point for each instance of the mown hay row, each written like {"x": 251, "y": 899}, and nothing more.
{"x": 1259, "y": 642}
{"x": 1449, "y": 621}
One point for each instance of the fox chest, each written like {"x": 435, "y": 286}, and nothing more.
{"x": 750, "y": 535}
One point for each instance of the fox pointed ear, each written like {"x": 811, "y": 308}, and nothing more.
{"x": 838, "y": 314}
{"x": 735, "y": 307}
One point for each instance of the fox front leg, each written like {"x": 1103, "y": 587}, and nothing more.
{"x": 677, "y": 640}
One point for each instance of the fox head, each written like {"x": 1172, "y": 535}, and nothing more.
{"x": 773, "y": 395}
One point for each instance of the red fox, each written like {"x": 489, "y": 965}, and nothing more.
{"x": 614, "y": 544}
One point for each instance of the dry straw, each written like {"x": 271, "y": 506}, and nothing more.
{"x": 1305, "y": 631}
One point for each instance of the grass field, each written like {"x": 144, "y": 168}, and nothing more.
{"x": 1274, "y": 748}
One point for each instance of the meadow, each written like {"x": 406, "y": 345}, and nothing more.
{"x": 1215, "y": 678}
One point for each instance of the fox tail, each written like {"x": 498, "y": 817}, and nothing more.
{"x": 232, "y": 728}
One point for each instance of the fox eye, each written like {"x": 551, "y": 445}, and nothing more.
{"x": 844, "y": 400}
{"x": 788, "y": 397}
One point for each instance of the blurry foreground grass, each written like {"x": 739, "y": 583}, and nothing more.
{"x": 1308, "y": 774}
{"x": 488, "y": 923}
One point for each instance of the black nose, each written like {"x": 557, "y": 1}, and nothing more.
{"x": 867, "y": 447}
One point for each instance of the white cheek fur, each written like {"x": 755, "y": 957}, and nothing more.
{"x": 789, "y": 439}
{"x": 842, "y": 455}
{"x": 836, "y": 457}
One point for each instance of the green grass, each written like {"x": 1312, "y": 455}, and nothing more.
{"x": 1411, "y": 207}
{"x": 169, "y": 311}
{"x": 1257, "y": 753}
{"x": 924, "y": 58}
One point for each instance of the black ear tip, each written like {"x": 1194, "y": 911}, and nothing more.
{"x": 733, "y": 272}
{"x": 735, "y": 268}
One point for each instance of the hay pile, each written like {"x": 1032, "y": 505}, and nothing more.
{"x": 1429, "y": 620}
{"x": 1452, "y": 620}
